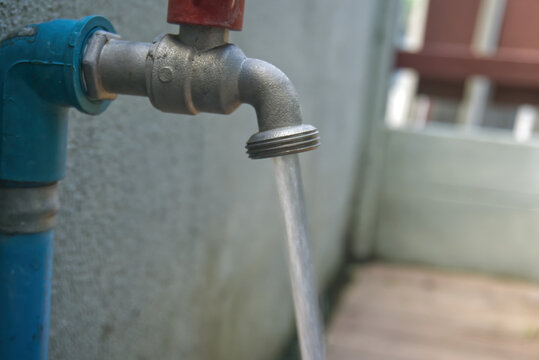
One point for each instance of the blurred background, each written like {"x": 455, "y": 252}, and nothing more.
{"x": 422, "y": 200}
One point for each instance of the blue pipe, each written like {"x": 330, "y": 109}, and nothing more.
{"x": 25, "y": 285}
{"x": 40, "y": 78}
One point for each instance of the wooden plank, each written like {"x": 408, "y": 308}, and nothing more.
{"x": 520, "y": 25}
{"x": 454, "y": 89}
{"x": 403, "y": 313}
{"x": 515, "y": 69}
{"x": 451, "y": 22}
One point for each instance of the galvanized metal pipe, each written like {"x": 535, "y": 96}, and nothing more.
{"x": 126, "y": 76}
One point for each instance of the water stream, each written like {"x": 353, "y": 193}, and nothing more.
{"x": 302, "y": 277}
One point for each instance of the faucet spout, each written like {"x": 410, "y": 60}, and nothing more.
{"x": 277, "y": 107}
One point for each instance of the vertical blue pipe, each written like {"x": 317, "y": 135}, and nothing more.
{"x": 25, "y": 287}
{"x": 40, "y": 78}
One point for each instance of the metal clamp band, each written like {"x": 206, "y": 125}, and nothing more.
{"x": 28, "y": 210}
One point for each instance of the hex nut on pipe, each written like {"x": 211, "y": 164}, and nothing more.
{"x": 90, "y": 62}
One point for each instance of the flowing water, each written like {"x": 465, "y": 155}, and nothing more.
{"x": 308, "y": 320}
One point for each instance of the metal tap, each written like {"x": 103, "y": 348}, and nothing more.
{"x": 199, "y": 71}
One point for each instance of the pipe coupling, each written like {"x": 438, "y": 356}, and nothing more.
{"x": 183, "y": 79}
{"x": 28, "y": 210}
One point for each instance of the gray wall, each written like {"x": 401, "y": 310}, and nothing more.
{"x": 169, "y": 244}
{"x": 460, "y": 200}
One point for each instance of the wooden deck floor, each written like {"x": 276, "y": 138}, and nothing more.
{"x": 403, "y": 313}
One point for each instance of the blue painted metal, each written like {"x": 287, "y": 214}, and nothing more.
{"x": 25, "y": 287}
{"x": 40, "y": 78}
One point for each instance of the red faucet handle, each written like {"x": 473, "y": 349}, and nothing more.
{"x": 220, "y": 13}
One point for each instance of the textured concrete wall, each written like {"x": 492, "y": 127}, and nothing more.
{"x": 169, "y": 244}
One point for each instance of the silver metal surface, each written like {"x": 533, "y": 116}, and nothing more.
{"x": 308, "y": 320}
{"x": 122, "y": 67}
{"x": 283, "y": 141}
{"x": 198, "y": 71}
{"x": 197, "y": 81}
{"x": 90, "y": 61}
{"x": 203, "y": 37}
{"x": 271, "y": 93}
{"x": 28, "y": 210}
{"x": 277, "y": 107}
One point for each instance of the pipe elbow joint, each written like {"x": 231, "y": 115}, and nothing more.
{"x": 40, "y": 65}
{"x": 276, "y": 102}
{"x": 271, "y": 93}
